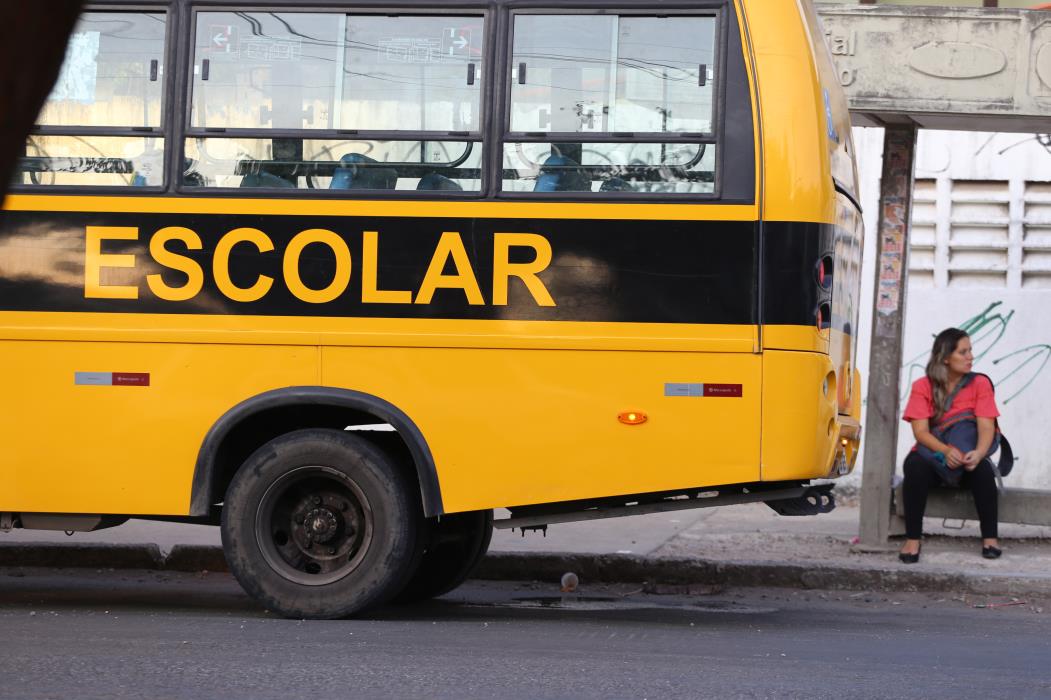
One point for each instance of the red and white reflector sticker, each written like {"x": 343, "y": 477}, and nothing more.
{"x": 729, "y": 390}
{"x": 112, "y": 378}
{"x": 706, "y": 389}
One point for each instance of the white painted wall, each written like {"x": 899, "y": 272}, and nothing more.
{"x": 980, "y": 257}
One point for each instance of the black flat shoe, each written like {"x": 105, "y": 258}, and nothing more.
{"x": 991, "y": 552}
{"x": 914, "y": 558}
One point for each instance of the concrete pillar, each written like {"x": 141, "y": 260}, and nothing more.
{"x": 888, "y": 318}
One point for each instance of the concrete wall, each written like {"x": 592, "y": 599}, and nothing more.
{"x": 1017, "y": 4}
{"x": 943, "y": 68}
{"x": 980, "y": 258}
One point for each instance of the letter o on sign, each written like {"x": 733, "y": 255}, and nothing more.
{"x": 340, "y": 279}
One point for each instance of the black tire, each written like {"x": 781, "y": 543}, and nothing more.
{"x": 456, "y": 545}
{"x": 320, "y": 524}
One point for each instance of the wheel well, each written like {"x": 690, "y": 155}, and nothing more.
{"x": 252, "y": 424}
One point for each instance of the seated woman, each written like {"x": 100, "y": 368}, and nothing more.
{"x": 948, "y": 393}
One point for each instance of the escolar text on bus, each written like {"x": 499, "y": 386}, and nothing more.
{"x": 449, "y": 251}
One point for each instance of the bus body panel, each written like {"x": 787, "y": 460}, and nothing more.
{"x": 508, "y": 427}
{"x": 800, "y": 427}
{"x": 377, "y": 332}
{"x": 79, "y": 441}
{"x": 848, "y": 242}
{"x": 796, "y": 169}
{"x": 808, "y": 154}
{"x": 840, "y": 142}
{"x": 846, "y": 304}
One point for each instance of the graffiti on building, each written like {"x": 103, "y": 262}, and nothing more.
{"x": 1013, "y": 370}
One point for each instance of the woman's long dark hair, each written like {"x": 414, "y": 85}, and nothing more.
{"x": 937, "y": 371}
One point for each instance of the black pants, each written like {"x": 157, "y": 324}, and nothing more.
{"x": 921, "y": 476}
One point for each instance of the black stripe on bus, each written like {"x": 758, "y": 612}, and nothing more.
{"x": 696, "y": 272}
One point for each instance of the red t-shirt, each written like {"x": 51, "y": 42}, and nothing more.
{"x": 977, "y": 396}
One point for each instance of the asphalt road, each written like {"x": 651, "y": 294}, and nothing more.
{"x": 117, "y": 634}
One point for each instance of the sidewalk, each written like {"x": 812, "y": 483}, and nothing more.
{"x": 746, "y": 545}
{"x": 750, "y": 545}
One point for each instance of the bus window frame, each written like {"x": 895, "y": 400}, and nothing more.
{"x": 505, "y": 136}
{"x": 171, "y": 11}
{"x": 497, "y": 16}
{"x": 478, "y": 137}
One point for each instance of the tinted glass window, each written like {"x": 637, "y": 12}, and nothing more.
{"x": 114, "y": 161}
{"x": 329, "y": 164}
{"x": 112, "y": 79}
{"x": 639, "y": 88}
{"x": 602, "y": 73}
{"x": 113, "y": 73}
{"x": 265, "y": 69}
{"x": 647, "y": 168}
{"x": 291, "y": 70}
{"x": 413, "y": 73}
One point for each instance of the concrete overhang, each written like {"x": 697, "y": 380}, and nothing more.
{"x": 943, "y": 68}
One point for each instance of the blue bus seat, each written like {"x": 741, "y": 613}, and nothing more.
{"x": 264, "y": 179}
{"x": 558, "y": 175}
{"x": 616, "y": 184}
{"x": 434, "y": 181}
{"x": 350, "y": 177}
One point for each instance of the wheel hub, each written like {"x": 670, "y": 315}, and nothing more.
{"x": 321, "y": 524}
{"x": 314, "y": 525}
{"x": 324, "y": 524}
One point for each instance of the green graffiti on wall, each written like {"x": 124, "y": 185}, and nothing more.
{"x": 1012, "y": 371}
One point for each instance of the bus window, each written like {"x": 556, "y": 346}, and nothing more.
{"x": 265, "y": 70}
{"x": 413, "y": 73}
{"x": 610, "y": 167}
{"x": 604, "y": 74}
{"x": 112, "y": 80}
{"x": 93, "y": 160}
{"x": 112, "y": 73}
{"x": 322, "y": 164}
{"x": 643, "y": 83}
{"x": 295, "y": 83}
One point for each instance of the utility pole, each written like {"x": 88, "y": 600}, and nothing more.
{"x": 888, "y": 319}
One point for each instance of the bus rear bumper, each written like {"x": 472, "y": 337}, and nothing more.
{"x": 847, "y": 447}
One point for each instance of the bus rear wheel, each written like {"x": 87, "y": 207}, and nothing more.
{"x": 320, "y": 524}
{"x": 456, "y": 546}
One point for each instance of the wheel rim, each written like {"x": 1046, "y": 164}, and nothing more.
{"x": 313, "y": 525}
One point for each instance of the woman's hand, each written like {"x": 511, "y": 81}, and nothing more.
{"x": 986, "y": 435}
{"x": 955, "y": 459}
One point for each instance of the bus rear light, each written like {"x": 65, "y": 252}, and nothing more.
{"x": 823, "y": 271}
{"x": 632, "y": 418}
{"x": 823, "y": 317}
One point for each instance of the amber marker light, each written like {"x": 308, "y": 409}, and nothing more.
{"x": 632, "y": 418}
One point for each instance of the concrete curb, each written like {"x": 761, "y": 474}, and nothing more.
{"x": 98, "y": 556}
{"x": 182, "y": 557}
{"x": 605, "y": 568}
{"x": 195, "y": 557}
{"x": 628, "y": 568}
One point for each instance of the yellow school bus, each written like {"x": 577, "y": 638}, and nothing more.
{"x": 344, "y": 278}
